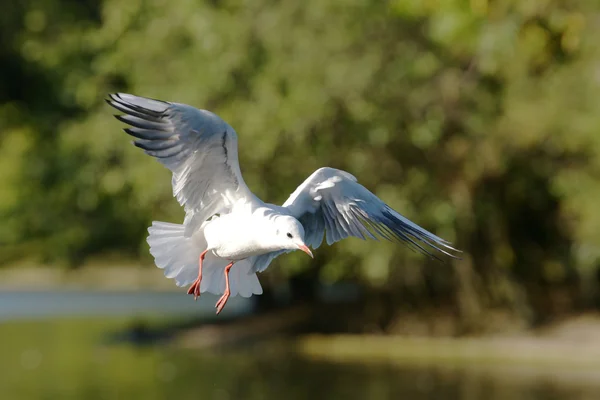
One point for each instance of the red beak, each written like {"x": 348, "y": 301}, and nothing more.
{"x": 305, "y": 249}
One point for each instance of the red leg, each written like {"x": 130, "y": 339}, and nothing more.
{"x": 223, "y": 300}
{"x": 195, "y": 288}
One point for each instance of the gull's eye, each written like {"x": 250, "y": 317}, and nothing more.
{"x": 289, "y": 235}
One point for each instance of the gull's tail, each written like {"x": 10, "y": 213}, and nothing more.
{"x": 178, "y": 256}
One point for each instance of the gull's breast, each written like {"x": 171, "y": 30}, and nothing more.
{"x": 233, "y": 238}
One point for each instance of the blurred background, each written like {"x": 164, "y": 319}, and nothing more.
{"x": 476, "y": 119}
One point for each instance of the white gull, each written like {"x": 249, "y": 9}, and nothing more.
{"x": 229, "y": 234}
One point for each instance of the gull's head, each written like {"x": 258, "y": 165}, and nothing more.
{"x": 290, "y": 234}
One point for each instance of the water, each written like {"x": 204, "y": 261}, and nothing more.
{"x": 65, "y": 354}
{"x": 36, "y": 304}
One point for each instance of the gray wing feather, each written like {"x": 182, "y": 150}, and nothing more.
{"x": 314, "y": 228}
{"x": 262, "y": 262}
{"x": 196, "y": 145}
{"x": 332, "y": 203}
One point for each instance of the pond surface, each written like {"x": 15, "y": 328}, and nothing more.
{"x": 39, "y": 304}
{"x": 72, "y": 357}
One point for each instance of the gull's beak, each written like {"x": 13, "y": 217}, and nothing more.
{"x": 305, "y": 249}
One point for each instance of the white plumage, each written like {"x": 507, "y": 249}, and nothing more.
{"x": 177, "y": 256}
{"x": 226, "y": 223}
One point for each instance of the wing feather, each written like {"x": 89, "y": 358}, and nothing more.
{"x": 196, "y": 145}
{"x": 333, "y": 203}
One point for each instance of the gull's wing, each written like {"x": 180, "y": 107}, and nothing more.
{"x": 332, "y": 201}
{"x": 196, "y": 145}
{"x": 260, "y": 263}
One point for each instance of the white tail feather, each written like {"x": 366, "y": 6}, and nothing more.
{"x": 178, "y": 256}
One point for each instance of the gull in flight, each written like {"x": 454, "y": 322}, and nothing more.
{"x": 228, "y": 234}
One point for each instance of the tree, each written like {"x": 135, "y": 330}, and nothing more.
{"x": 476, "y": 120}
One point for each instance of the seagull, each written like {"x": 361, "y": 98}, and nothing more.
{"x": 228, "y": 234}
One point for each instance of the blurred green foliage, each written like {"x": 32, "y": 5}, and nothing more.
{"x": 477, "y": 119}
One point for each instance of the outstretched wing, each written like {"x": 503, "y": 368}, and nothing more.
{"x": 332, "y": 201}
{"x": 196, "y": 145}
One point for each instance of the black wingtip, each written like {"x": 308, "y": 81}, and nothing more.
{"x": 452, "y": 257}
{"x": 121, "y": 118}
{"x": 113, "y": 101}
{"x": 133, "y": 133}
{"x": 113, "y": 97}
{"x": 414, "y": 238}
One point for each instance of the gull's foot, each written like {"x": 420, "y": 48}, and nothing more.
{"x": 221, "y": 303}
{"x": 195, "y": 289}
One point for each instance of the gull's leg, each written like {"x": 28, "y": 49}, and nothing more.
{"x": 221, "y": 303}
{"x": 195, "y": 288}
